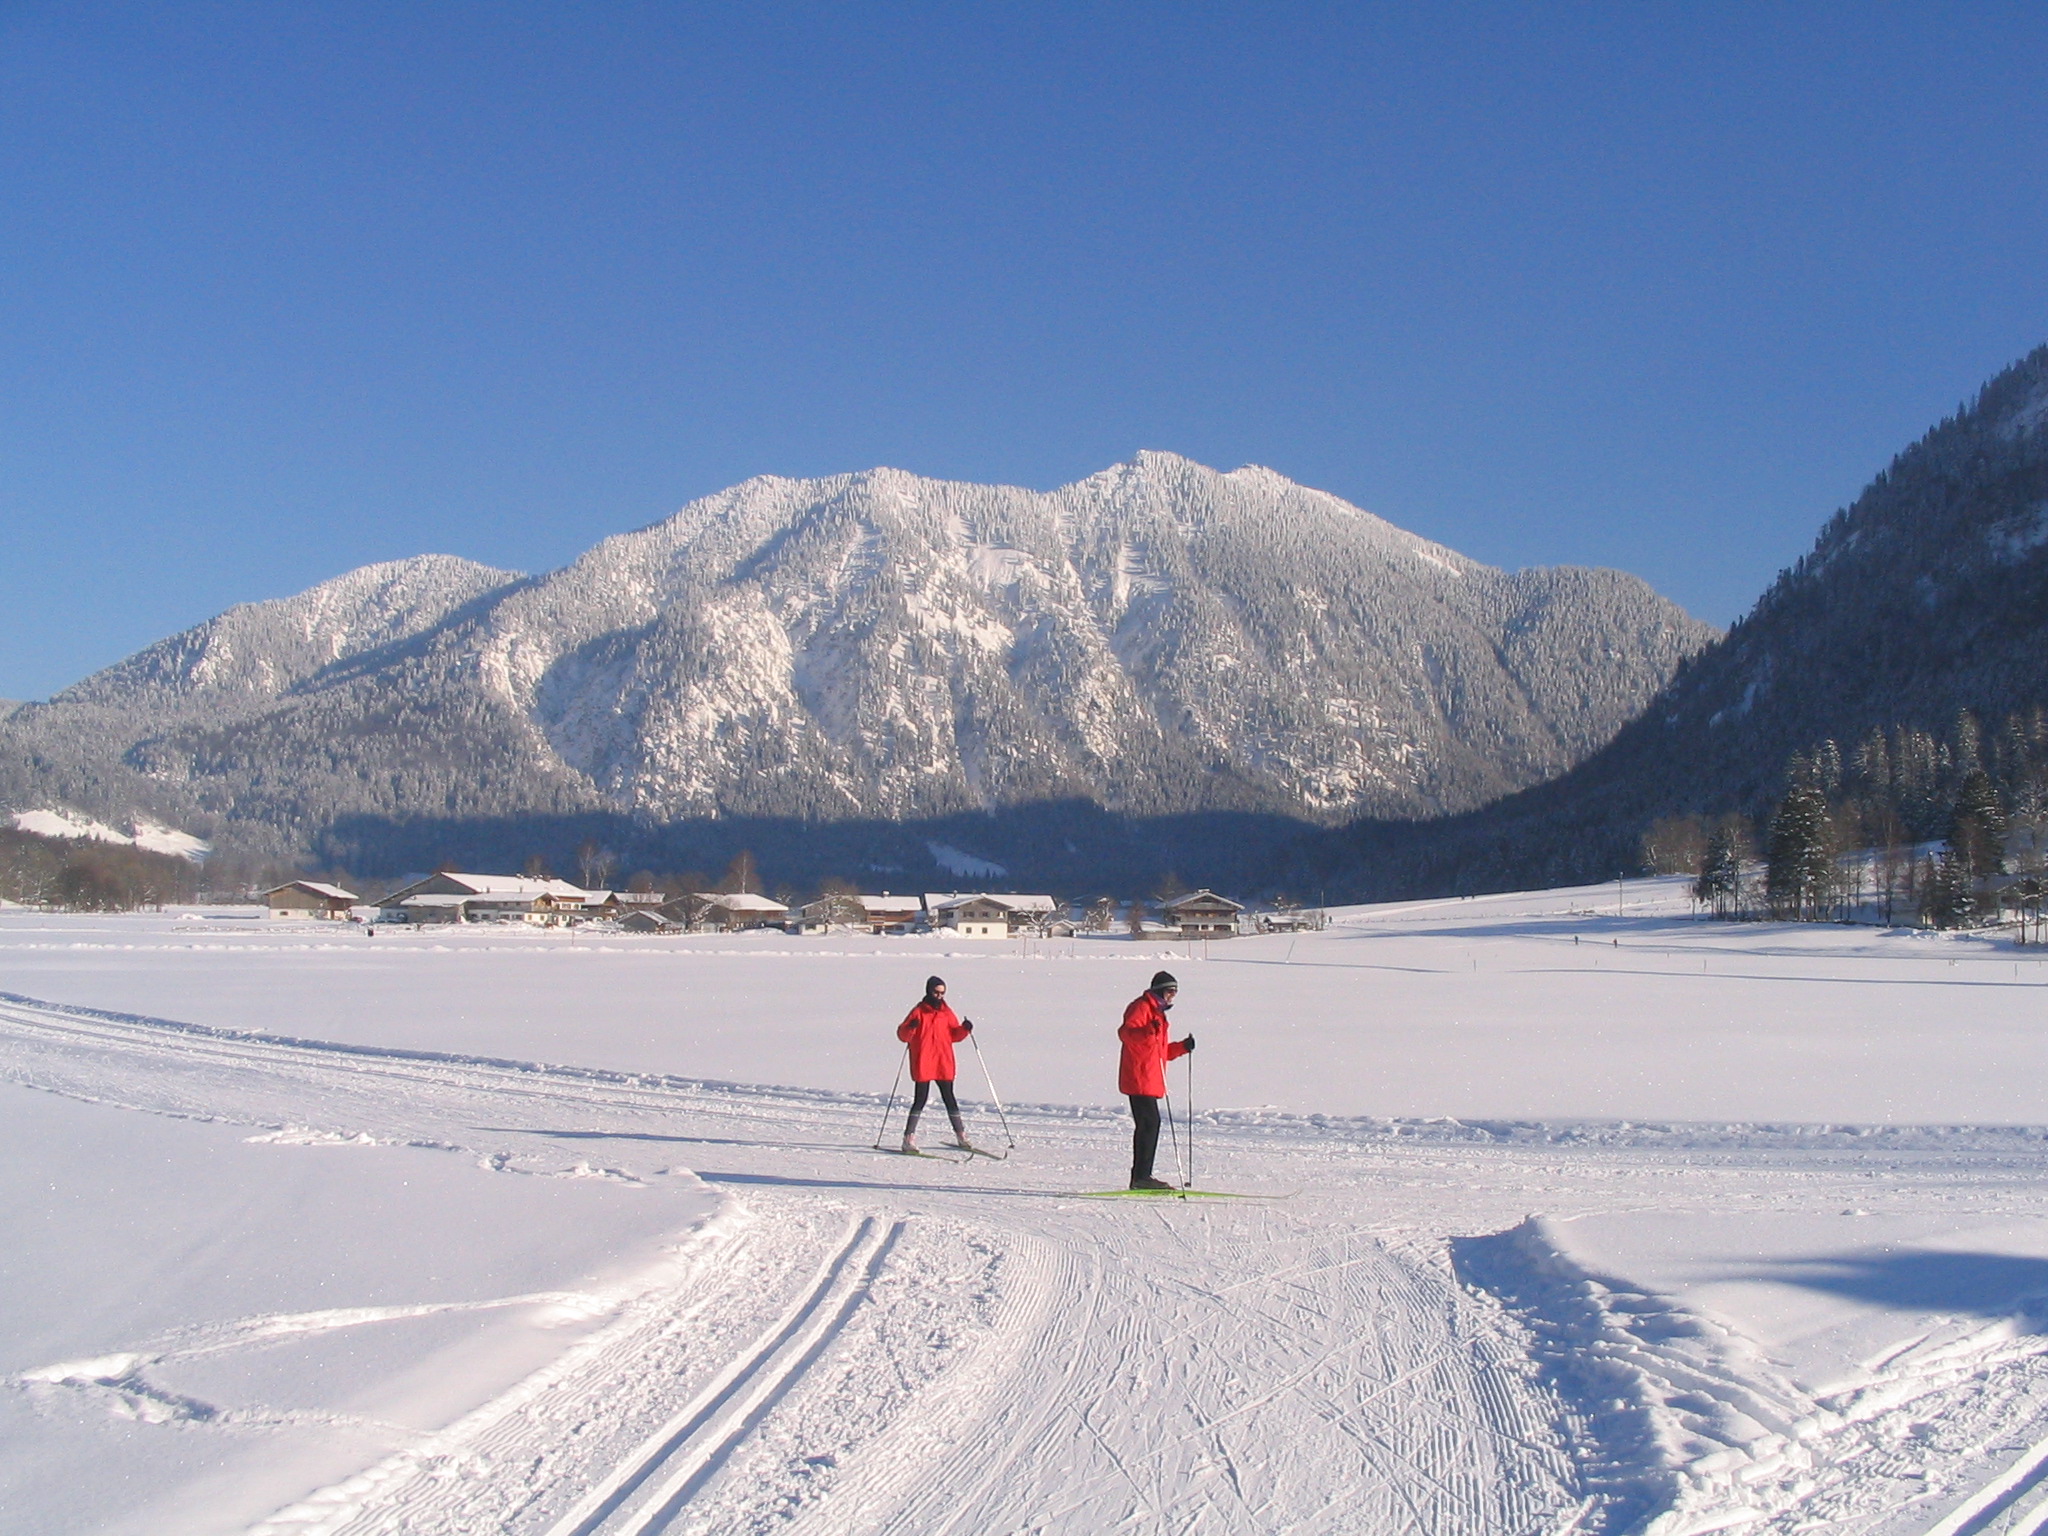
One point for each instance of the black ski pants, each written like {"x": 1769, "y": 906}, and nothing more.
{"x": 922, "y": 1096}
{"x": 1145, "y": 1136}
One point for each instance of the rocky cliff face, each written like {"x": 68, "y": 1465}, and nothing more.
{"x": 1156, "y": 638}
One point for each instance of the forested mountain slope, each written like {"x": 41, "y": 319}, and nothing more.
{"x": 1928, "y": 596}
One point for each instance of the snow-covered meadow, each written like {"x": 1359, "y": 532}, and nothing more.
{"x": 1590, "y": 1217}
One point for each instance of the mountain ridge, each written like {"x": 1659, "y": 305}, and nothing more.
{"x": 1156, "y": 638}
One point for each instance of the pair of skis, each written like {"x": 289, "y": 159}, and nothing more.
{"x": 967, "y": 1154}
{"x": 1181, "y": 1194}
{"x": 972, "y": 1152}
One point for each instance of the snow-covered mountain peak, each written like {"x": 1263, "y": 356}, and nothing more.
{"x": 264, "y": 648}
{"x": 1160, "y": 636}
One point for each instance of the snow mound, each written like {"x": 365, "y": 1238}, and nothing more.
{"x": 1687, "y": 1426}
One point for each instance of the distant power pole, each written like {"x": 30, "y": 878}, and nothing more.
{"x": 1618, "y": 891}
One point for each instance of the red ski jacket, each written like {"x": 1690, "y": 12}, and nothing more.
{"x": 932, "y": 1029}
{"x": 1146, "y": 1049}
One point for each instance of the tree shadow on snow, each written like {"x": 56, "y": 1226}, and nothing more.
{"x": 703, "y": 1141}
{"x": 1983, "y": 1284}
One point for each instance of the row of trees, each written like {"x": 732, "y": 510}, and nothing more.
{"x": 90, "y": 876}
{"x": 1852, "y": 833}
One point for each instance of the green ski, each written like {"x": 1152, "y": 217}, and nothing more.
{"x": 1179, "y": 1194}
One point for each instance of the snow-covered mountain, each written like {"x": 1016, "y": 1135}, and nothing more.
{"x": 1159, "y": 637}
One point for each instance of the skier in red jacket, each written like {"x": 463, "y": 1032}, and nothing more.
{"x": 1142, "y": 1074}
{"x": 931, "y": 1030}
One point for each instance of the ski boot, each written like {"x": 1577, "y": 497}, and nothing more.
{"x": 910, "y": 1148}
{"x": 1148, "y": 1182}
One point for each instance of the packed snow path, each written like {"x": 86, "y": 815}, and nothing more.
{"x": 853, "y": 1341}
{"x": 865, "y": 1342}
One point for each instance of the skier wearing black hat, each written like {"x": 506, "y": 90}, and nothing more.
{"x": 1141, "y": 1076}
{"x": 931, "y": 1030}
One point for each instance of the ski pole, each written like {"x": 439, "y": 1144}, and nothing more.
{"x": 1175, "y": 1135}
{"x": 890, "y": 1108}
{"x": 1191, "y": 1121}
{"x": 1000, "y": 1115}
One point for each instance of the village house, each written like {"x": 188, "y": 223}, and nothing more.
{"x": 733, "y": 911}
{"x": 449, "y": 897}
{"x": 835, "y": 909}
{"x": 620, "y": 904}
{"x": 309, "y": 898}
{"x": 846, "y": 909}
{"x": 891, "y": 914}
{"x": 1290, "y": 920}
{"x": 988, "y": 915}
{"x": 1202, "y": 915}
{"x": 647, "y": 920}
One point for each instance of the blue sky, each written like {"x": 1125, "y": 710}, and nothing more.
{"x": 288, "y": 289}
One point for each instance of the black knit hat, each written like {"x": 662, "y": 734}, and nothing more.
{"x": 931, "y": 983}
{"x": 1164, "y": 979}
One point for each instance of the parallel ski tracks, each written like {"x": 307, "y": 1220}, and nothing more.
{"x": 1134, "y": 1370}
{"x": 646, "y": 1490}
{"x": 205, "y": 1073}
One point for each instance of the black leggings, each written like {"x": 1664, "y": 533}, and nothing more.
{"x": 923, "y": 1095}
{"x": 1145, "y": 1138}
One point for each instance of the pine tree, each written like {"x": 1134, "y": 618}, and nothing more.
{"x": 1827, "y": 766}
{"x": 1720, "y": 879}
{"x": 1871, "y": 766}
{"x": 1977, "y": 829}
{"x": 1946, "y": 900}
{"x": 1800, "y": 860}
{"x": 1967, "y": 743}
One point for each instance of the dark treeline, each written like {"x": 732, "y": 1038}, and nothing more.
{"x": 1854, "y": 833}
{"x": 90, "y": 876}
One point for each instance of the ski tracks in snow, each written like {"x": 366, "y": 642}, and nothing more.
{"x": 852, "y": 1345}
{"x": 1185, "y": 1384}
{"x": 903, "y": 1351}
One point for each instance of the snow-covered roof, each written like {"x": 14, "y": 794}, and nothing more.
{"x": 1203, "y": 898}
{"x": 645, "y": 919}
{"x": 491, "y": 887}
{"x": 331, "y": 892}
{"x": 942, "y": 901}
{"x": 880, "y": 906}
{"x": 740, "y": 901}
{"x": 435, "y": 901}
{"x": 514, "y": 885}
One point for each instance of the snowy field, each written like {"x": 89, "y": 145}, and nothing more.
{"x": 1571, "y": 1219}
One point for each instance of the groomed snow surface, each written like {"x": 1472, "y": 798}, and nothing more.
{"x": 1571, "y": 1220}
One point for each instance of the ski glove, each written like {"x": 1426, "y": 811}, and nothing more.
{"x": 1188, "y": 1044}
{"x": 968, "y": 1025}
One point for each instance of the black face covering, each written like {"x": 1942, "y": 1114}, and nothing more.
{"x": 931, "y": 987}
{"x": 1165, "y": 1000}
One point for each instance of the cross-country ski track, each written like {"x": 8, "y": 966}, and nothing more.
{"x": 836, "y": 1339}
